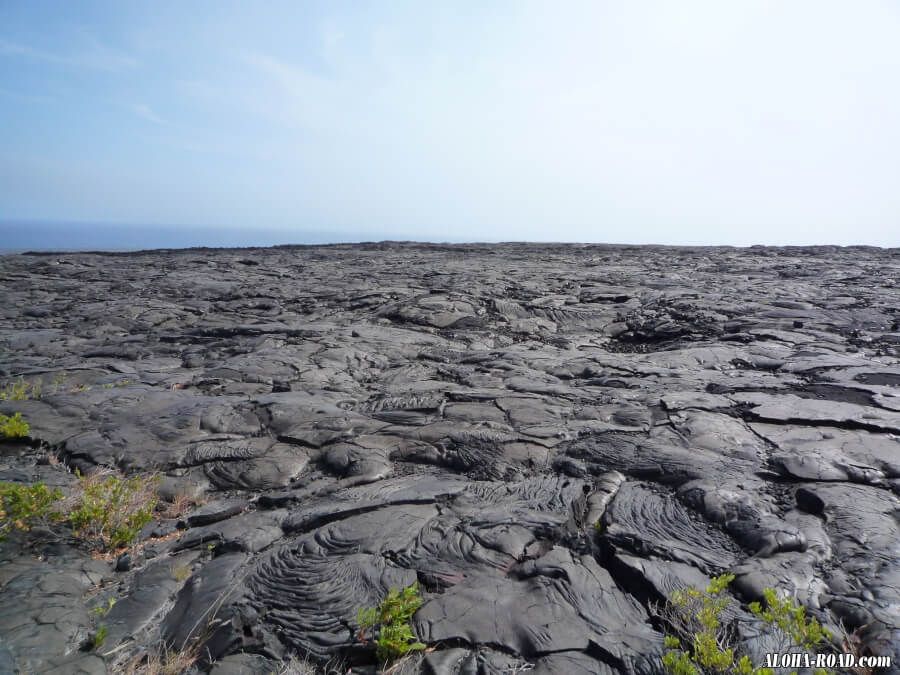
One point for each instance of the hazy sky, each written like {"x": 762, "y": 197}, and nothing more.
{"x": 631, "y": 121}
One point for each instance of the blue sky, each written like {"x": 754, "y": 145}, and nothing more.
{"x": 688, "y": 122}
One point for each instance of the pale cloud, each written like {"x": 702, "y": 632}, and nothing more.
{"x": 333, "y": 45}
{"x": 144, "y": 111}
{"x": 303, "y": 99}
{"x": 100, "y": 56}
{"x": 15, "y": 49}
{"x": 91, "y": 54}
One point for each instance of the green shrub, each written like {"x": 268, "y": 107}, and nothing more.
{"x": 21, "y": 390}
{"x": 789, "y": 618}
{"x": 23, "y": 505}
{"x": 99, "y": 637}
{"x": 111, "y": 512}
{"x": 101, "y": 610}
{"x": 13, "y": 427}
{"x": 699, "y": 644}
{"x": 391, "y": 623}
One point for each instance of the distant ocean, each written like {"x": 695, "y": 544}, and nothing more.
{"x": 19, "y": 236}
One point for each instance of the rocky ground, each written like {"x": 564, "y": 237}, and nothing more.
{"x": 359, "y": 417}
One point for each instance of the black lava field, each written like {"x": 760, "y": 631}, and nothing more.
{"x": 549, "y": 439}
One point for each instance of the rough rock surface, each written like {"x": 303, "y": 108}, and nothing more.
{"x": 361, "y": 417}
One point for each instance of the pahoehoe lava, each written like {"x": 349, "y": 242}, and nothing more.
{"x": 547, "y": 438}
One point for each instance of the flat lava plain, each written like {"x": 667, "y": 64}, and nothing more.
{"x": 360, "y": 417}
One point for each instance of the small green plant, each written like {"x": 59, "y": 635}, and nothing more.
{"x": 13, "y": 427}
{"x": 391, "y": 623}
{"x": 101, "y": 610}
{"x": 113, "y": 511}
{"x": 790, "y": 619}
{"x": 99, "y": 637}
{"x": 699, "y": 644}
{"x": 58, "y": 380}
{"x": 21, "y": 506}
{"x": 108, "y": 385}
{"x": 21, "y": 390}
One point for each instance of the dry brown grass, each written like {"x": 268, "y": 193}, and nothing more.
{"x": 178, "y": 508}
{"x": 161, "y": 662}
{"x": 408, "y": 665}
{"x": 181, "y": 572}
{"x": 851, "y": 643}
{"x": 110, "y": 556}
{"x": 297, "y": 666}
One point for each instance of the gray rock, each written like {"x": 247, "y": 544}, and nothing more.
{"x": 215, "y": 511}
{"x": 547, "y": 438}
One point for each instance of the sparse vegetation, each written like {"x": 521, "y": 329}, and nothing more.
{"x": 390, "y": 622}
{"x": 851, "y": 643}
{"x": 57, "y": 381}
{"x": 788, "y": 618}
{"x": 21, "y": 506}
{"x": 411, "y": 664}
{"x": 181, "y": 572}
{"x": 107, "y": 510}
{"x": 21, "y": 390}
{"x": 99, "y": 637}
{"x": 111, "y": 511}
{"x": 179, "y": 506}
{"x": 118, "y": 383}
{"x": 296, "y": 666}
{"x": 162, "y": 661}
{"x": 13, "y": 427}
{"x": 699, "y": 643}
{"x": 103, "y": 610}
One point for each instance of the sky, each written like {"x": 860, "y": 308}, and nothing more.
{"x": 689, "y": 122}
